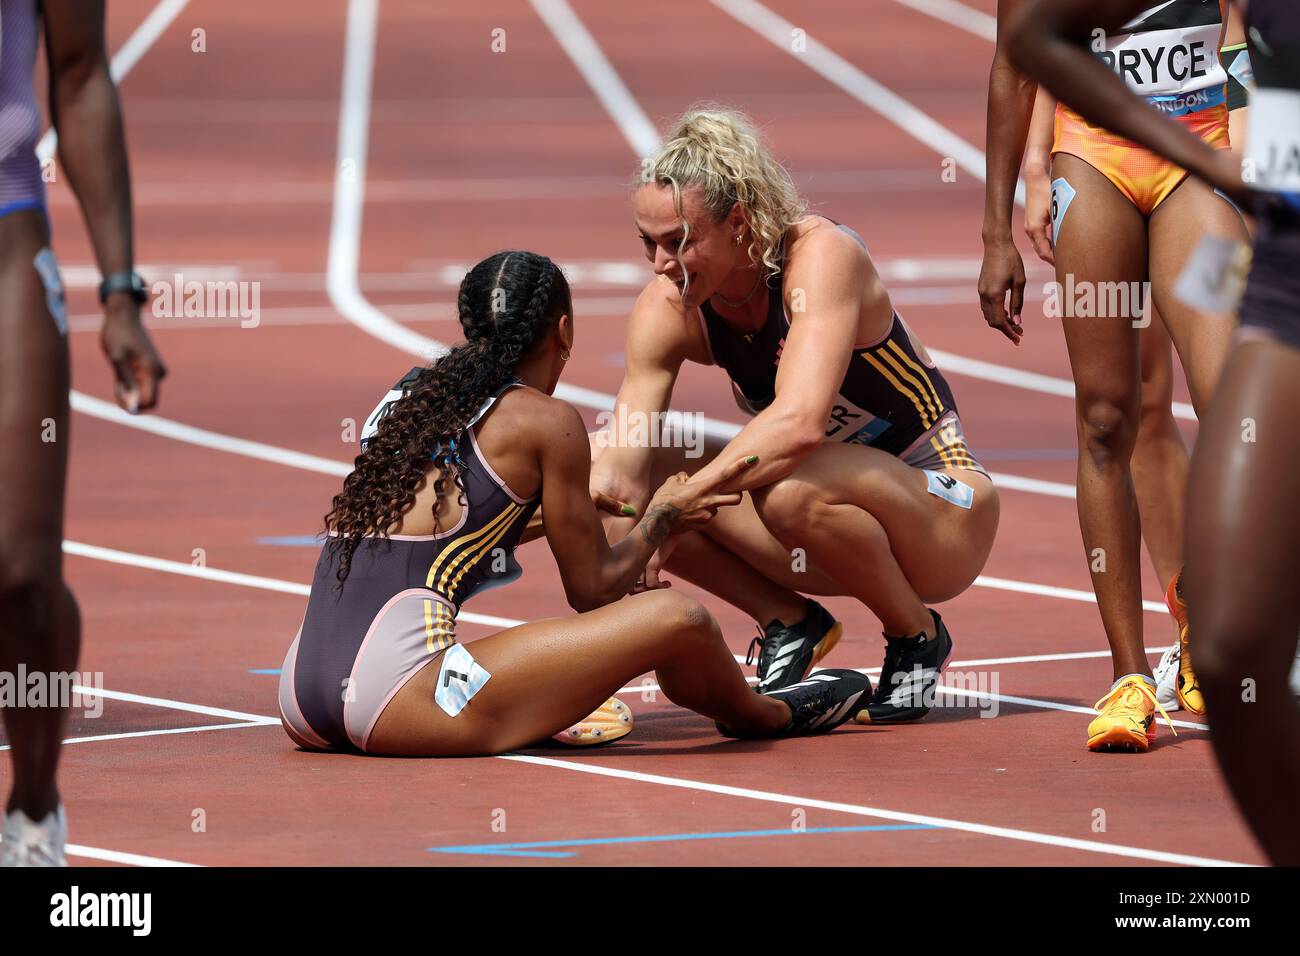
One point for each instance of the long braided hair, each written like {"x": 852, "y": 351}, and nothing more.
{"x": 507, "y": 304}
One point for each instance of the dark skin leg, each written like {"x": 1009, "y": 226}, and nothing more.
{"x": 39, "y": 623}
{"x": 1103, "y": 238}
{"x": 1242, "y": 550}
{"x": 1160, "y": 459}
{"x": 547, "y": 675}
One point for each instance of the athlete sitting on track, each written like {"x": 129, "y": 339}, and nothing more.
{"x": 864, "y": 486}
{"x": 440, "y": 497}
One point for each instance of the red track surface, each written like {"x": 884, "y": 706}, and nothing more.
{"x": 233, "y": 156}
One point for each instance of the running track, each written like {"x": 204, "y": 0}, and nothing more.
{"x": 350, "y": 174}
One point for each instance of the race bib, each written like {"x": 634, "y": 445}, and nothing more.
{"x": 459, "y": 678}
{"x": 1272, "y": 160}
{"x": 945, "y": 486}
{"x": 1175, "y": 60}
{"x": 1214, "y": 278}
{"x": 1062, "y": 196}
{"x": 47, "y": 267}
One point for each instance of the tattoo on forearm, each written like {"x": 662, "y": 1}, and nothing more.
{"x": 658, "y": 523}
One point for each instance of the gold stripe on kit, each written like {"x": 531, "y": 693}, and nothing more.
{"x": 920, "y": 389}
{"x": 923, "y": 373}
{"x": 463, "y": 539}
{"x": 482, "y": 550}
{"x": 943, "y": 454}
{"x": 875, "y": 363}
{"x": 500, "y": 522}
{"x": 440, "y": 633}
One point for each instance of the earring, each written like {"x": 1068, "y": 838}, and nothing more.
{"x": 564, "y": 355}
{"x": 738, "y": 238}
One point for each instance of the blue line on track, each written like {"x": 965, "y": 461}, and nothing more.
{"x": 541, "y": 849}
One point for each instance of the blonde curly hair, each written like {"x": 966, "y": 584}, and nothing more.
{"x": 722, "y": 153}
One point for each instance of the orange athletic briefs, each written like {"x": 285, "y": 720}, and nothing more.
{"x": 1145, "y": 178}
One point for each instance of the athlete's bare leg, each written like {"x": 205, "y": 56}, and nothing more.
{"x": 546, "y": 675}
{"x": 1160, "y": 459}
{"x": 1103, "y": 239}
{"x": 39, "y": 624}
{"x": 1202, "y": 340}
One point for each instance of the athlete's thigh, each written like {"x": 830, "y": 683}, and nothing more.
{"x": 741, "y": 531}
{"x": 1202, "y": 339}
{"x": 33, "y": 395}
{"x": 939, "y": 544}
{"x": 1101, "y": 256}
{"x": 546, "y": 675}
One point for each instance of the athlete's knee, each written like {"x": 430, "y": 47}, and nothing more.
{"x": 32, "y": 596}
{"x": 1107, "y": 429}
{"x": 681, "y": 616}
{"x": 786, "y": 506}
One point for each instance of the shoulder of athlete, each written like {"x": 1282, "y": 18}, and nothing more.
{"x": 822, "y": 260}
{"x": 661, "y": 331}
{"x": 539, "y": 423}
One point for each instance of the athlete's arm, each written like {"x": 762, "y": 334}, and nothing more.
{"x": 656, "y": 347}
{"x": 827, "y": 270}
{"x": 1038, "y": 176}
{"x": 593, "y": 572}
{"x": 1010, "y": 105}
{"x": 92, "y": 148}
{"x": 1048, "y": 39}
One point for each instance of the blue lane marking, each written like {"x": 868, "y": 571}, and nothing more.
{"x": 264, "y": 670}
{"x": 292, "y": 541}
{"x": 537, "y": 849}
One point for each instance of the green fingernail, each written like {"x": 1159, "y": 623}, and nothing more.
{"x": 751, "y": 459}
{"x": 629, "y": 511}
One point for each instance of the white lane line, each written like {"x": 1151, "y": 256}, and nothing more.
{"x": 872, "y": 94}
{"x": 203, "y": 709}
{"x": 114, "y": 556}
{"x": 116, "y": 856}
{"x": 163, "y": 732}
{"x": 1048, "y": 590}
{"x": 1005, "y": 833}
{"x": 920, "y": 126}
{"x": 167, "y": 428}
{"x": 595, "y": 68}
{"x": 958, "y": 15}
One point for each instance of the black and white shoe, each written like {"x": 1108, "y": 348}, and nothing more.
{"x": 908, "y": 681}
{"x": 819, "y": 704}
{"x": 787, "y": 653}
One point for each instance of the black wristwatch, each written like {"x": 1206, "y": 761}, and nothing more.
{"x": 124, "y": 282}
